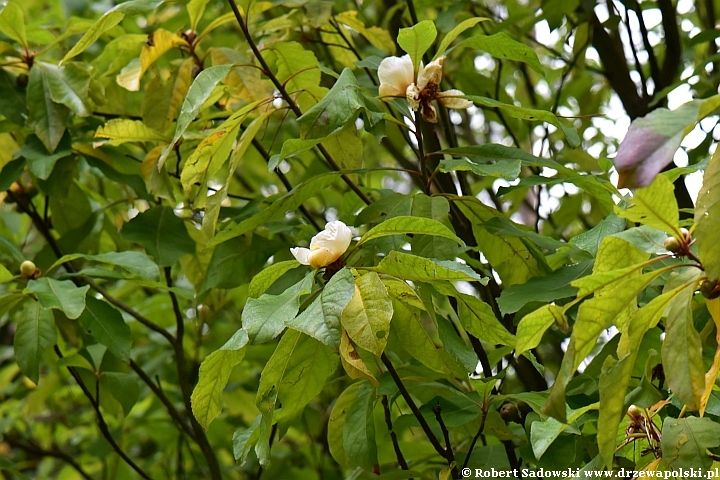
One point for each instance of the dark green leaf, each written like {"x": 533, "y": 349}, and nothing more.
{"x": 107, "y": 326}
{"x": 685, "y": 441}
{"x": 162, "y": 233}
{"x": 358, "y": 438}
{"x": 35, "y": 332}
{"x": 59, "y": 294}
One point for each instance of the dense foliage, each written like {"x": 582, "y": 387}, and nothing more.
{"x": 496, "y": 303}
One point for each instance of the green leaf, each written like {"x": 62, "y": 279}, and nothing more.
{"x": 707, "y": 217}
{"x": 590, "y": 240}
{"x": 295, "y": 373}
{"x": 477, "y": 317}
{"x": 455, "y": 32}
{"x": 35, "y": 332}
{"x": 342, "y": 104}
{"x": 39, "y": 160}
{"x": 124, "y": 388}
{"x": 264, "y": 280}
{"x": 682, "y": 351}
{"x": 12, "y": 23}
{"x": 59, "y": 294}
{"x": 501, "y": 46}
{"x": 495, "y": 153}
{"x": 412, "y": 267}
{"x": 107, "y": 326}
{"x": 265, "y": 317}
{"x": 298, "y": 69}
{"x": 594, "y": 316}
{"x": 509, "y": 256}
{"x": 136, "y": 263}
{"x": 13, "y": 99}
{"x": 68, "y": 85}
{"x": 409, "y": 226}
{"x": 235, "y": 262}
{"x": 321, "y": 320}
{"x": 530, "y": 114}
{"x": 109, "y": 20}
{"x": 215, "y": 370}
{"x": 544, "y": 433}
{"x": 416, "y": 40}
{"x": 46, "y": 117}
{"x": 359, "y": 432}
{"x": 199, "y": 91}
{"x": 367, "y": 317}
{"x": 336, "y": 423}
{"x": 162, "y": 233}
{"x": 509, "y": 170}
{"x": 532, "y": 326}
{"x": 195, "y": 9}
{"x": 243, "y": 440}
{"x": 287, "y": 203}
{"x": 543, "y": 289}
{"x": 686, "y": 440}
{"x": 654, "y": 206}
{"x": 123, "y": 130}
{"x": 5, "y": 275}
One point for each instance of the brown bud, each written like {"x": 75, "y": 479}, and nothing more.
{"x": 28, "y": 269}
{"x": 710, "y": 289}
{"x": 509, "y": 413}
{"x": 672, "y": 244}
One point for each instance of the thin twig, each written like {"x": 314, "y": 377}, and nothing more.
{"x": 393, "y": 436}
{"x": 437, "y": 410}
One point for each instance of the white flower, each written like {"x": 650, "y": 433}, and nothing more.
{"x": 396, "y": 77}
{"x": 325, "y": 247}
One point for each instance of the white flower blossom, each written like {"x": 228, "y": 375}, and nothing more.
{"x": 325, "y": 247}
{"x": 396, "y": 79}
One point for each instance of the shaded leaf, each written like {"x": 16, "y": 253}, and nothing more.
{"x": 685, "y": 441}
{"x": 107, "y": 326}
{"x": 162, "y": 234}
{"x": 62, "y": 295}
{"x": 35, "y": 332}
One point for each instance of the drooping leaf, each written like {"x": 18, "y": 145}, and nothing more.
{"x": 295, "y": 373}
{"x": 321, "y": 320}
{"x": 109, "y": 20}
{"x": 367, "y": 316}
{"x": 686, "y": 440}
{"x": 199, "y": 91}
{"x": 35, "y": 332}
{"x": 353, "y": 363}
{"x": 67, "y": 85}
{"x": 265, "y": 317}
{"x": 707, "y": 216}
{"x": 654, "y": 206}
{"x": 243, "y": 440}
{"x": 45, "y": 116}
{"x": 162, "y": 234}
{"x": 62, "y": 295}
{"x": 358, "y": 437}
{"x": 107, "y": 326}
{"x": 416, "y": 40}
{"x": 214, "y": 374}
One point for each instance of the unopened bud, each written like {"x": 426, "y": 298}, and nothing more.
{"x": 710, "y": 289}
{"x": 28, "y": 269}
{"x": 509, "y": 413}
{"x": 672, "y": 244}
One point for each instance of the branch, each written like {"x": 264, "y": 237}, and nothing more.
{"x": 475, "y": 438}
{"x": 290, "y": 101}
{"x": 408, "y": 399}
{"x": 199, "y": 434}
{"x": 33, "y": 448}
{"x": 448, "y": 446}
{"x": 104, "y": 430}
{"x": 393, "y": 436}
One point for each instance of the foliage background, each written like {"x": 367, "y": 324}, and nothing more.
{"x": 159, "y": 159}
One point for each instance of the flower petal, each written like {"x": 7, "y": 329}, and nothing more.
{"x": 395, "y": 74}
{"x": 412, "y": 95}
{"x": 387, "y": 92}
{"x": 432, "y": 74}
{"x": 452, "y": 99}
{"x": 301, "y": 255}
{"x": 321, "y": 257}
{"x": 429, "y": 114}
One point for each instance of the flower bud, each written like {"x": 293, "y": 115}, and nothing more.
{"x": 710, "y": 289}
{"x": 509, "y": 413}
{"x": 28, "y": 269}
{"x": 672, "y": 244}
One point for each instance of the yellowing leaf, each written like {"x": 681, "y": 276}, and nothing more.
{"x": 158, "y": 44}
{"x": 654, "y": 206}
{"x": 352, "y": 363}
{"x": 122, "y": 130}
{"x": 367, "y": 317}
